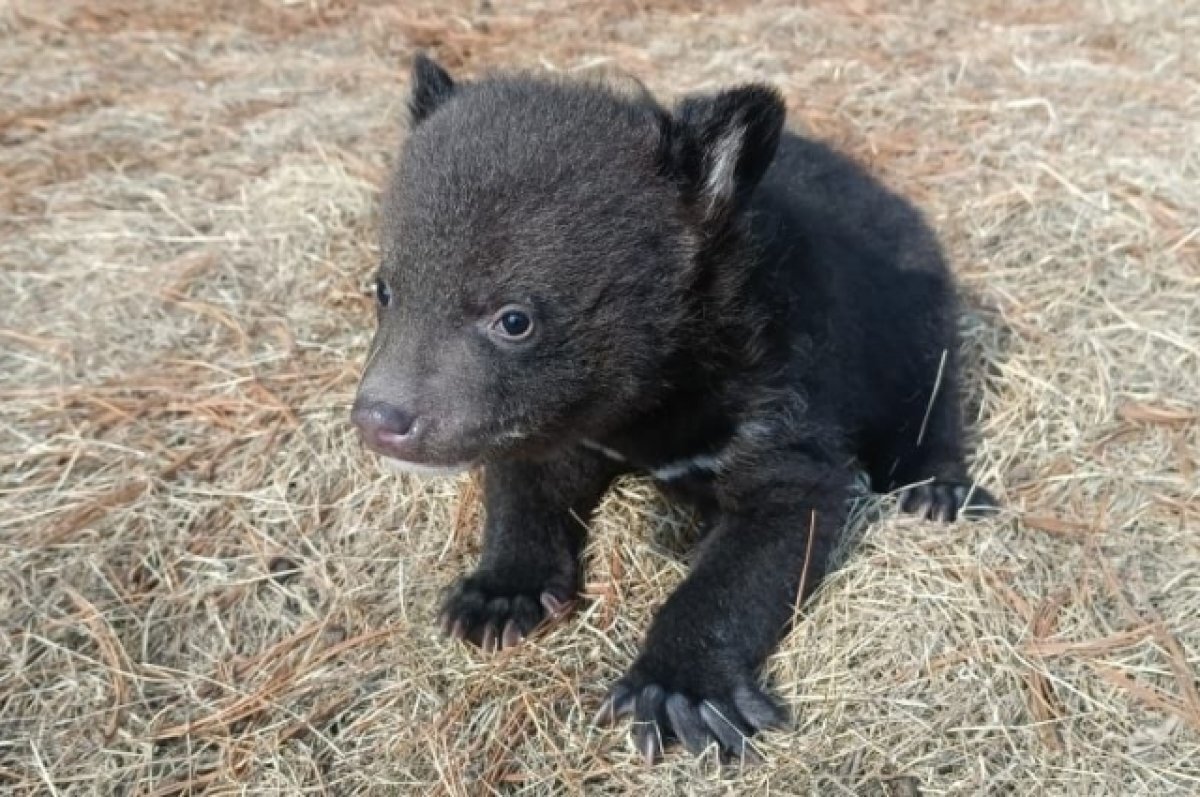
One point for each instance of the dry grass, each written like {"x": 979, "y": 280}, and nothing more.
{"x": 205, "y": 586}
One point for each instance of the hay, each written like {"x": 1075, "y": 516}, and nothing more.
{"x": 205, "y": 585}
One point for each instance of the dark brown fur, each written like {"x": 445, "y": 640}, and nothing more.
{"x": 735, "y": 309}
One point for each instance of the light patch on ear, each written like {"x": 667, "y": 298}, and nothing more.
{"x": 721, "y": 181}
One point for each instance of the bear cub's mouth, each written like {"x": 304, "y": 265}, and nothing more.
{"x": 424, "y": 469}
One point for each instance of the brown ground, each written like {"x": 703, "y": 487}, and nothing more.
{"x": 206, "y": 586}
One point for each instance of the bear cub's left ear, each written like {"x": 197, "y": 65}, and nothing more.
{"x": 721, "y": 144}
{"x": 431, "y": 86}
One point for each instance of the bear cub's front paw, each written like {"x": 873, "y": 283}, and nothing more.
{"x": 698, "y": 701}
{"x": 495, "y": 613}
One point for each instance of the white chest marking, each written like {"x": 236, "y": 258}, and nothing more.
{"x": 682, "y": 467}
{"x": 751, "y": 431}
{"x": 612, "y": 454}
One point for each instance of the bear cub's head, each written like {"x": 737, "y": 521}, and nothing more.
{"x": 548, "y": 253}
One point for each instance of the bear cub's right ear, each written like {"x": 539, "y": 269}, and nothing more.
{"x": 431, "y": 86}
{"x": 721, "y": 145}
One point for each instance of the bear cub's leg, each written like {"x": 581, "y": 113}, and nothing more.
{"x": 696, "y": 679}
{"x": 533, "y": 534}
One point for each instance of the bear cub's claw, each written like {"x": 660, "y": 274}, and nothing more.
{"x": 661, "y": 716}
{"x": 947, "y": 501}
{"x": 496, "y": 618}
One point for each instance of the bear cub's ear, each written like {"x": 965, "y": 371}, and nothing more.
{"x": 720, "y": 145}
{"x": 431, "y": 86}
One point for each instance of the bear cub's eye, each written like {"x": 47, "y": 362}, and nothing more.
{"x": 513, "y": 323}
{"x": 383, "y": 294}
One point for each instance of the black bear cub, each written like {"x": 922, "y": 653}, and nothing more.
{"x": 577, "y": 282}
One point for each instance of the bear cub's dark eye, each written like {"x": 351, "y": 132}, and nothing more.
{"x": 513, "y": 323}
{"x": 383, "y": 294}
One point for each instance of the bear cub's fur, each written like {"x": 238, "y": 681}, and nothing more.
{"x": 578, "y": 282}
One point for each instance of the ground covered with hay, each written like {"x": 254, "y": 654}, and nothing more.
{"x": 206, "y": 586}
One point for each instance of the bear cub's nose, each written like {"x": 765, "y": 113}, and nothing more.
{"x": 385, "y": 428}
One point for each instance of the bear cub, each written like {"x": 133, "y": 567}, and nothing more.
{"x": 578, "y": 282}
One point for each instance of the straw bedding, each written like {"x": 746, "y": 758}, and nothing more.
{"x": 207, "y": 587}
